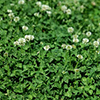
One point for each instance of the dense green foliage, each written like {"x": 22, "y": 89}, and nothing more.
{"x": 53, "y": 64}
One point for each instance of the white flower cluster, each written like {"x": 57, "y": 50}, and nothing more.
{"x": 25, "y": 28}
{"x": 75, "y": 38}
{"x": 21, "y": 1}
{"x": 11, "y": 15}
{"x": 79, "y": 56}
{"x": 85, "y": 40}
{"x": 96, "y": 43}
{"x": 16, "y": 19}
{"x": 65, "y": 10}
{"x": 46, "y": 48}
{"x": 67, "y": 47}
{"x": 44, "y": 7}
{"x": 36, "y": 14}
{"x": 49, "y": 13}
{"x": 22, "y": 41}
{"x": 39, "y": 3}
{"x": 88, "y": 33}
{"x": 70, "y": 29}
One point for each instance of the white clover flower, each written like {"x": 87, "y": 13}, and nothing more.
{"x": 98, "y": 40}
{"x": 98, "y": 52}
{"x": 9, "y": 11}
{"x": 11, "y": 15}
{"x": 49, "y": 13}
{"x": 21, "y": 41}
{"x": 31, "y": 37}
{"x": 85, "y": 40}
{"x": 96, "y": 43}
{"x": 75, "y": 40}
{"x": 64, "y": 8}
{"x": 16, "y": 19}
{"x": 70, "y": 30}
{"x": 27, "y": 38}
{"x": 76, "y": 70}
{"x": 68, "y": 47}
{"x": 64, "y": 46}
{"x": 21, "y": 2}
{"x": 39, "y": 3}
{"x": 16, "y": 43}
{"x": 45, "y": 7}
{"x": 88, "y": 33}
{"x": 25, "y": 28}
{"x": 46, "y": 47}
{"x": 36, "y": 14}
{"x": 75, "y": 36}
{"x": 68, "y": 11}
{"x": 79, "y": 56}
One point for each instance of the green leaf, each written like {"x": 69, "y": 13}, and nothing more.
{"x": 91, "y": 92}
{"x": 98, "y": 92}
{"x": 68, "y": 94}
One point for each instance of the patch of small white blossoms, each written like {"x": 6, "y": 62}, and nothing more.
{"x": 85, "y": 40}
{"x": 39, "y": 3}
{"x": 88, "y": 33}
{"x": 68, "y": 11}
{"x": 11, "y": 14}
{"x": 21, "y": 1}
{"x": 75, "y": 38}
{"x": 79, "y": 56}
{"x": 36, "y": 14}
{"x": 63, "y": 46}
{"x": 9, "y": 11}
{"x": 65, "y": 10}
{"x": 44, "y": 7}
{"x": 25, "y": 28}
{"x": 68, "y": 47}
{"x": 29, "y": 37}
{"x": 16, "y": 19}
{"x": 22, "y": 41}
{"x": 46, "y": 48}
{"x": 96, "y": 43}
{"x": 49, "y": 13}
{"x": 70, "y": 29}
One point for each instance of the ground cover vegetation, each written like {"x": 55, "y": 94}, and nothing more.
{"x": 49, "y": 50}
